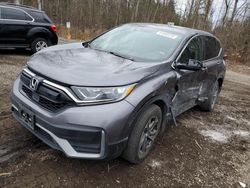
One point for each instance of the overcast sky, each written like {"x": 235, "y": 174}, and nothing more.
{"x": 217, "y": 6}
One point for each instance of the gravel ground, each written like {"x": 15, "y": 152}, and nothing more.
{"x": 205, "y": 150}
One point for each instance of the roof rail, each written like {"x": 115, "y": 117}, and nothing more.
{"x": 17, "y": 5}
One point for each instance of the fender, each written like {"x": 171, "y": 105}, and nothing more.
{"x": 161, "y": 94}
{"x": 38, "y": 30}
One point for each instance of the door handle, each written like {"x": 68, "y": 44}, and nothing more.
{"x": 218, "y": 62}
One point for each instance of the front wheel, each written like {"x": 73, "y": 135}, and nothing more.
{"x": 145, "y": 131}
{"x": 39, "y": 44}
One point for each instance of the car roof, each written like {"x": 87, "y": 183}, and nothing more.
{"x": 23, "y": 7}
{"x": 185, "y": 31}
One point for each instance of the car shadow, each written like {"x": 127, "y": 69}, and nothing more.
{"x": 22, "y": 52}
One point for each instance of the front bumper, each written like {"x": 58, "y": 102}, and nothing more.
{"x": 90, "y": 132}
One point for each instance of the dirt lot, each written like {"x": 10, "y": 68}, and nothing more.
{"x": 205, "y": 150}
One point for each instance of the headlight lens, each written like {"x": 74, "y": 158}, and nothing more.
{"x": 102, "y": 94}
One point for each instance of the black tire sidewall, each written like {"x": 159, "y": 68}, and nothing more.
{"x": 132, "y": 151}
{"x": 213, "y": 100}
{"x": 208, "y": 104}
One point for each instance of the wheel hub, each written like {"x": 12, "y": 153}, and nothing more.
{"x": 41, "y": 45}
{"x": 148, "y": 136}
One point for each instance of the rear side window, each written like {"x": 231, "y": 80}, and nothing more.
{"x": 212, "y": 47}
{"x": 40, "y": 17}
{"x": 14, "y": 14}
{"x": 192, "y": 51}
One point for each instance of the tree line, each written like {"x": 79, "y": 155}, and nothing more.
{"x": 230, "y": 22}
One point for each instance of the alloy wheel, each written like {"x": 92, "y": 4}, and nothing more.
{"x": 148, "y": 136}
{"x": 41, "y": 45}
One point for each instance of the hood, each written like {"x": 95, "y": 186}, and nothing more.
{"x": 73, "y": 64}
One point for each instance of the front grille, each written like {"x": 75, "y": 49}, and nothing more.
{"x": 51, "y": 105}
{"x": 50, "y": 98}
{"x": 27, "y": 91}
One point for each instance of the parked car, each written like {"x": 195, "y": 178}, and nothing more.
{"x": 113, "y": 95}
{"x": 25, "y": 27}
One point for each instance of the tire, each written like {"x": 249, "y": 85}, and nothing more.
{"x": 38, "y": 44}
{"x": 209, "y": 104}
{"x": 144, "y": 133}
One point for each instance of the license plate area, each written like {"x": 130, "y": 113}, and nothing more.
{"x": 27, "y": 117}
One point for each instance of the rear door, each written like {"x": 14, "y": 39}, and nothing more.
{"x": 189, "y": 82}
{"x": 15, "y": 24}
{"x": 212, "y": 61}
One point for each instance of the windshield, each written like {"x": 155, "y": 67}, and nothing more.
{"x": 138, "y": 43}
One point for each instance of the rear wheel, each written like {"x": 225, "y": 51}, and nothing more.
{"x": 39, "y": 44}
{"x": 145, "y": 132}
{"x": 209, "y": 104}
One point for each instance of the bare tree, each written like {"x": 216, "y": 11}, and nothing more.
{"x": 17, "y": 2}
{"x": 226, "y": 12}
{"x": 39, "y": 2}
{"x": 191, "y": 7}
{"x": 234, "y": 10}
{"x": 208, "y": 6}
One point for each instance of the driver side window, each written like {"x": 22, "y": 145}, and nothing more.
{"x": 192, "y": 51}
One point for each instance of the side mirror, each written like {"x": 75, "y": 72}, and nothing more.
{"x": 192, "y": 64}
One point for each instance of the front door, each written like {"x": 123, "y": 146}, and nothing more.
{"x": 189, "y": 82}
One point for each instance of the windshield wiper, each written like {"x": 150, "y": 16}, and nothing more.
{"x": 88, "y": 45}
{"x": 122, "y": 56}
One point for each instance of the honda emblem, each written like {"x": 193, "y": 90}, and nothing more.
{"x": 34, "y": 83}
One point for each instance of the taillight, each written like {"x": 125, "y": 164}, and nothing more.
{"x": 53, "y": 27}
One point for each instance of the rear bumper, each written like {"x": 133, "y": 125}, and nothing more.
{"x": 89, "y": 132}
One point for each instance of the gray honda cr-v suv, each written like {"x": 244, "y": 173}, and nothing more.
{"x": 113, "y": 95}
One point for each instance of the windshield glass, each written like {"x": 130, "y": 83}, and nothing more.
{"x": 138, "y": 43}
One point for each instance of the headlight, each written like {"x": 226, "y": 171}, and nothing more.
{"x": 102, "y": 94}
